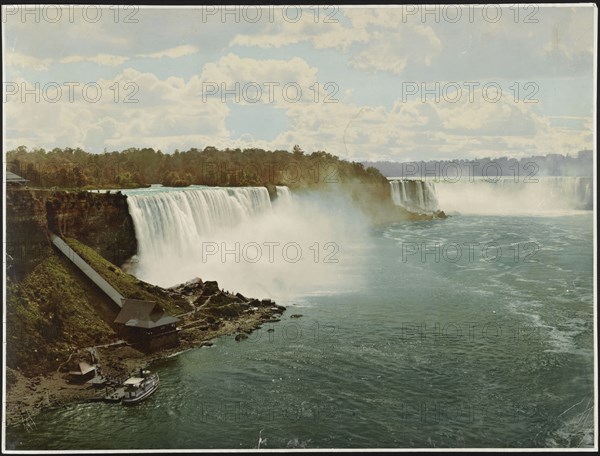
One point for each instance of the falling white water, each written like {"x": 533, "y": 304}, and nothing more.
{"x": 284, "y": 196}
{"x": 543, "y": 195}
{"x": 414, "y": 195}
{"x": 296, "y": 246}
{"x": 168, "y": 223}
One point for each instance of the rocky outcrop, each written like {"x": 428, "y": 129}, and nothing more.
{"x": 51, "y": 306}
{"x": 99, "y": 220}
{"x": 27, "y": 242}
{"x": 272, "y": 189}
{"x": 209, "y": 300}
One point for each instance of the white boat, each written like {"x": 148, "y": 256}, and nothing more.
{"x": 139, "y": 388}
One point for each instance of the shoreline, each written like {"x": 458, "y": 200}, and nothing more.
{"x": 28, "y": 397}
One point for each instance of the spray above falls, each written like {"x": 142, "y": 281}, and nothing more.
{"x": 294, "y": 245}
{"x": 542, "y": 195}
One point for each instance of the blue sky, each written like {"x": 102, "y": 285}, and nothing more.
{"x": 343, "y": 81}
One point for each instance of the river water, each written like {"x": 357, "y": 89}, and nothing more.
{"x": 474, "y": 331}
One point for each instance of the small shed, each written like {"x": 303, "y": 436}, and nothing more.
{"x": 14, "y": 179}
{"x": 86, "y": 372}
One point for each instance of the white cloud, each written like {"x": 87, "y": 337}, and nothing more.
{"x": 266, "y": 81}
{"x": 413, "y": 130}
{"x": 108, "y": 59}
{"x": 387, "y": 43}
{"x": 322, "y": 35}
{"x": 171, "y": 112}
{"x": 18, "y": 60}
{"x": 164, "y": 109}
{"x": 572, "y": 34}
{"x": 173, "y": 53}
{"x": 117, "y": 60}
{"x": 100, "y": 59}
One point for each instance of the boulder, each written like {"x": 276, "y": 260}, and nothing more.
{"x": 200, "y": 301}
{"x": 220, "y": 299}
{"x": 194, "y": 286}
{"x": 210, "y": 288}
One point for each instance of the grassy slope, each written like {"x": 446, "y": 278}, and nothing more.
{"x": 56, "y": 308}
{"x": 126, "y": 284}
{"x": 52, "y": 311}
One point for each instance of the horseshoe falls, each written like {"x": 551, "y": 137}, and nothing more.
{"x": 494, "y": 196}
{"x": 542, "y": 195}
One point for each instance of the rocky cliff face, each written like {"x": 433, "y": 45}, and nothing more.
{"x": 27, "y": 242}
{"x": 99, "y": 220}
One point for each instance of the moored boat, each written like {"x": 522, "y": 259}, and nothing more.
{"x": 139, "y": 388}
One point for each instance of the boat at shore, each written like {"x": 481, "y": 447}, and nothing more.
{"x": 139, "y": 388}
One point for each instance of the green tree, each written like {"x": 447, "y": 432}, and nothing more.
{"x": 297, "y": 151}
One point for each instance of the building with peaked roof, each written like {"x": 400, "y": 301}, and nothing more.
{"x": 85, "y": 373}
{"x": 147, "y": 323}
{"x": 144, "y": 323}
{"x": 14, "y": 179}
{"x": 144, "y": 314}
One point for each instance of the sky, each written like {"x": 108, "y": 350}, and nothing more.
{"x": 363, "y": 83}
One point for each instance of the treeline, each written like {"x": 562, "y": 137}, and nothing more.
{"x": 77, "y": 169}
{"x": 541, "y": 165}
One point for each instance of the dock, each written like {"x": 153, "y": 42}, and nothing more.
{"x": 116, "y": 395}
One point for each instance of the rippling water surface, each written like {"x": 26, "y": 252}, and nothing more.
{"x": 490, "y": 349}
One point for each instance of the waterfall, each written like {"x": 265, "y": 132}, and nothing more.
{"x": 293, "y": 247}
{"x": 171, "y": 223}
{"x": 284, "y": 196}
{"x": 507, "y": 196}
{"x": 414, "y": 195}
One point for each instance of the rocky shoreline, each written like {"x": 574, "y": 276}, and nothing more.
{"x": 216, "y": 313}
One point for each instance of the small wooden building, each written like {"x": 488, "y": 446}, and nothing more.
{"x": 85, "y": 373}
{"x": 14, "y": 179}
{"x": 147, "y": 324}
